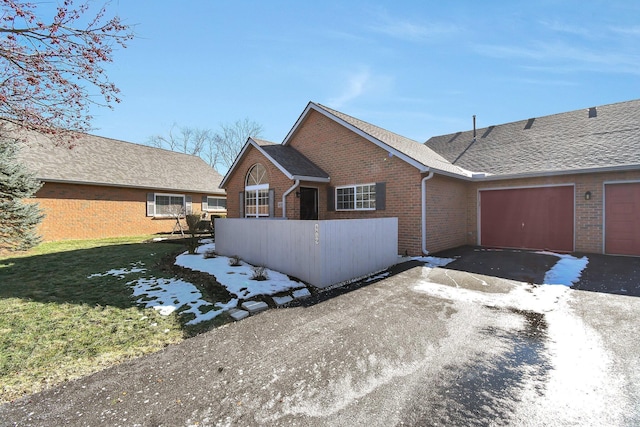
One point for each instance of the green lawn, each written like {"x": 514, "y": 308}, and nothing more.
{"x": 56, "y": 323}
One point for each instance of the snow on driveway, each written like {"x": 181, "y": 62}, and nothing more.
{"x": 571, "y": 346}
{"x": 566, "y": 271}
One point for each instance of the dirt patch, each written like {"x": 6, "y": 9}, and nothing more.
{"x": 205, "y": 282}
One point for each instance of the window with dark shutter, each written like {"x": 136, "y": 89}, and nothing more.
{"x": 331, "y": 199}
{"x": 205, "y": 203}
{"x": 151, "y": 204}
{"x": 272, "y": 203}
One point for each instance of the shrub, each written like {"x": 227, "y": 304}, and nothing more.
{"x": 192, "y": 244}
{"x": 235, "y": 261}
{"x": 211, "y": 253}
{"x": 259, "y": 273}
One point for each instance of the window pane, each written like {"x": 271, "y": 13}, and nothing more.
{"x": 250, "y": 203}
{"x": 263, "y": 202}
{"x": 169, "y": 205}
{"x": 216, "y": 203}
{"x": 344, "y": 198}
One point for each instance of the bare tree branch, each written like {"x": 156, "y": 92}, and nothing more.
{"x": 48, "y": 66}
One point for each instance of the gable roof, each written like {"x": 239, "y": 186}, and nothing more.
{"x": 416, "y": 154}
{"x": 597, "y": 138}
{"x": 293, "y": 164}
{"x": 96, "y": 160}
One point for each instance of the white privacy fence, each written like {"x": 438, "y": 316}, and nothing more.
{"x": 321, "y": 253}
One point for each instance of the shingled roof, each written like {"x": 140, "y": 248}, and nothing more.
{"x": 102, "y": 161}
{"x": 293, "y": 164}
{"x": 597, "y": 138}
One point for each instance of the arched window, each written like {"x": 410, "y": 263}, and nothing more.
{"x": 256, "y": 192}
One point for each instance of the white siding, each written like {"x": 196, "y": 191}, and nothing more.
{"x": 341, "y": 250}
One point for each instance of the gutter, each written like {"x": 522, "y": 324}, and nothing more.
{"x": 423, "y": 185}
{"x": 284, "y": 198}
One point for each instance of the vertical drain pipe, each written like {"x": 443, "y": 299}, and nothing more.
{"x": 424, "y": 212}
{"x": 284, "y": 198}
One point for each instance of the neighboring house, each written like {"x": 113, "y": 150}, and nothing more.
{"x": 566, "y": 182}
{"x": 107, "y": 188}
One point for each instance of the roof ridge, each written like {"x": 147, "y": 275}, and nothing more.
{"x": 541, "y": 117}
{"x": 332, "y": 111}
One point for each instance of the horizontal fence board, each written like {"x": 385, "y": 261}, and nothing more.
{"x": 321, "y": 253}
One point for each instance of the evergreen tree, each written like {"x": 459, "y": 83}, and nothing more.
{"x": 18, "y": 218}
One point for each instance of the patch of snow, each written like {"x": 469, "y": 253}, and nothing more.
{"x": 237, "y": 280}
{"x": 536, "y": 298}
{"x": 167, "y": 295}
{"x": 432, "y": 261}
{"x": 566, "y": 271}
{"x": 120, "y": 272}
{"x": 376, "y": 277}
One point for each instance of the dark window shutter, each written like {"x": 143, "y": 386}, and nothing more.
{"x": 151, "y": 204}
{"x": 241, "y": 205}
{"x": 381, "y": 196}
{"x": 205, "y": 203}
{"x": 331, "y": 199}
{"x": 188, "y": 205}
{"x": 272, "y": 200}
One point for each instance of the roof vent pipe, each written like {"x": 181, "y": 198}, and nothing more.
{"x": 474, "y": 128}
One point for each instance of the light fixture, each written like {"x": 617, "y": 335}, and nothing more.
{"x": 587, "y": 195}
{"x": 297, "y": 194}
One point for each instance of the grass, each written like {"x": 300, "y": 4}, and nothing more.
{"x": 58, "y": 324}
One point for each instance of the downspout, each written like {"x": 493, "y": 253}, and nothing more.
{"x": 284, "y": 198}
{"x": 424, "y": 212}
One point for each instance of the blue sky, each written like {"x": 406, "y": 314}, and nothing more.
{"x": 418, "y": 68}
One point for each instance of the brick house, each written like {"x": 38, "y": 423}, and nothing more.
{"x": 108, "y": 188}
{"x": 566, "y": 182}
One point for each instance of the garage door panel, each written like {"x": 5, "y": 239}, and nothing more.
{"x": 531, "y": 218}
{"x": 622, "y": 210}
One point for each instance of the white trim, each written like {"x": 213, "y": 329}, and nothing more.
{"x": 137, "y": 187}
{"x": 604, "y": 209}
{"x": 216, "y": 209}
{"x": 284, "y": 198}
{"x": 522, "y": 187}
{"x": 354, "y": 186}
{"x": 155, "y": 204}
{"x": 253, "y": 143}
{"x": 423, "y": 211}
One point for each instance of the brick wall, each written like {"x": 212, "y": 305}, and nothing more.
{"x": 588, "y": 213}
{"x": 88, "y": 212}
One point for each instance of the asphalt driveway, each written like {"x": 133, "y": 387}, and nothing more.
{"x": 604, "y": 273}
{"x": 425, "y": 346}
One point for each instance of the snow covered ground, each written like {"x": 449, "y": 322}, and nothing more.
{"x": 169, "y": 295}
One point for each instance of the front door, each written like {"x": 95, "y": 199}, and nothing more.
{"x": 309, "y": 203}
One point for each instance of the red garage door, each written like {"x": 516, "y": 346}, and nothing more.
{"x": 622, "y": 210}
{"x": 528, "y": 218}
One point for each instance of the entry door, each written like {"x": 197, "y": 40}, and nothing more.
{"x": 309, "y": 203}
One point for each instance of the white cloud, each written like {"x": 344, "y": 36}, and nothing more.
{"x": 409, "y": 30}
{"x": 561, "y": 57}
{"x": 359, "y": 84}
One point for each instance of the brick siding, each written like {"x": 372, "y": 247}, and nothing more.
{"x": 75, "y": 211}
